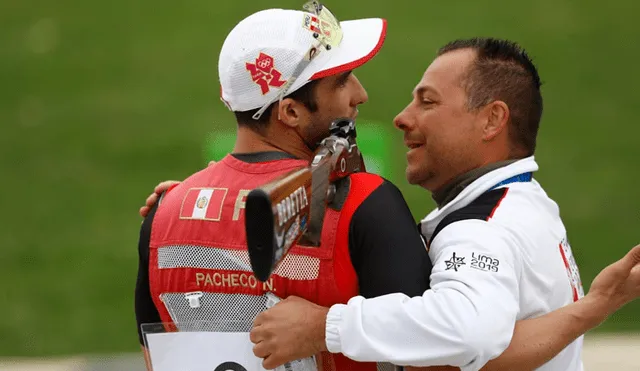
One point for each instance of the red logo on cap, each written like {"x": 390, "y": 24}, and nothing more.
{"x": 264, "y": 73}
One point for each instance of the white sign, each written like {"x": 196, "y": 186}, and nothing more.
{"x": 202, "y": 351}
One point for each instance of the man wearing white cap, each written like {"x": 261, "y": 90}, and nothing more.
{"x": 286, "y": 75}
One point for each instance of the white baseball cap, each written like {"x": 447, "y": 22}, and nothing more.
{"x": 274, "y": 52}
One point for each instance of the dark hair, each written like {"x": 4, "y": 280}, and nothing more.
{"x": 305, "y": 95}
{"x": 503, "y": 71}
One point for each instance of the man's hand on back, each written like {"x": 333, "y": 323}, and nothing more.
{"x": 155, "y": 195}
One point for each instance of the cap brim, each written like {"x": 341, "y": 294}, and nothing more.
{"x": 361, "y": 41}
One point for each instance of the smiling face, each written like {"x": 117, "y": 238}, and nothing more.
{"x": 444, "y": 137}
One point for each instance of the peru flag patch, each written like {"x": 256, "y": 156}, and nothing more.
{"x": 203, "y": 204}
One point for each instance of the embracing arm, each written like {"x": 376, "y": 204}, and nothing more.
{"x": 536, "y": 341}
{"x": 466, "y": 319}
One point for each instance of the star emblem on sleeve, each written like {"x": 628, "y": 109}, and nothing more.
{"x": 455, "y": 262}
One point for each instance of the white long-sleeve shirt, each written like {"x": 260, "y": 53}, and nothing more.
{"x": 502, "y": 256}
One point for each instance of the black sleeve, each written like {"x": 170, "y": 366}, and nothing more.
{"x": 387, "y": 250}
{"x": 146, "y": 311}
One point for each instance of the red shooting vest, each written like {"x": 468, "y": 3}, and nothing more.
{"x": 199, "y": 267}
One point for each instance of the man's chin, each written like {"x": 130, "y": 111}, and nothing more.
{"x": 412, "y": 177}
{"x": 417, "y": 177}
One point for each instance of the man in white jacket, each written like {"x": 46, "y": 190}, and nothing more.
{"x": 499, "y": 248}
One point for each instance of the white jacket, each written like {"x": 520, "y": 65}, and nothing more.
{"x": 499, "y": 255}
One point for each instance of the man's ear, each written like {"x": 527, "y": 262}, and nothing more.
{"x": 290, "y": 112}
{"x": 497, "y": 116}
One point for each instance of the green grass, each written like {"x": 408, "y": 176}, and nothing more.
{"x": 101, "y": 100}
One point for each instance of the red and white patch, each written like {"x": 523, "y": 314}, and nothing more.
{"x": 317, "y": 25}
{"x": 572, "y": 270}
{"x": 203, "y": 204}
{"x": 311, "y": 23}
{"x": 264, "y": 73}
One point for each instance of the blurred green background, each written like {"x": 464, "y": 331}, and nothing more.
{"x": 99, "y": 101}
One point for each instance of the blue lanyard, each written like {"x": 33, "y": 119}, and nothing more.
{"x": 524, "y": 177}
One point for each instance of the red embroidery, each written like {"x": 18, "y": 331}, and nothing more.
{"x": 264, "y": 73}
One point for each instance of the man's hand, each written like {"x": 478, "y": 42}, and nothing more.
{"x": 619, "y": 283}
{"x": 153, "y": 197}
{"x": 292, "y": 329}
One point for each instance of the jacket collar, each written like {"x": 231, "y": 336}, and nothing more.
{"x": 449, "y": 192}
{"x": 474, "y": 190}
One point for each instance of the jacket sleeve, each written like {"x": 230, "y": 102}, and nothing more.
{"x": 465, "y": 320}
